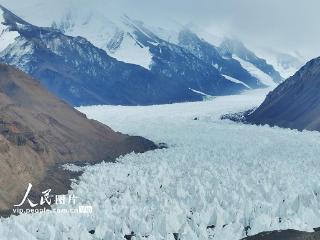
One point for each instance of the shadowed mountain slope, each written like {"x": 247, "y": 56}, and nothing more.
{"x": 295, "y": 103}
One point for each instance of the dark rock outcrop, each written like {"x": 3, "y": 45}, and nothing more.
{"x": 295, "y": 103}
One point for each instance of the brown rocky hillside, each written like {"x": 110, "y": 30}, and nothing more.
{"x": 38, "y": 131}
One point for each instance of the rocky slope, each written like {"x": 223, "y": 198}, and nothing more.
{"x": 295, "y": 103}
{"x": 38, "y": 131}
{"x": 228, "y": 67}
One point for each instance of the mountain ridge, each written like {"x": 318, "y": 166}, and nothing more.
{"x": 294, "y": 103}
{"x": 82, "y": 74}
{"x": 123, "y": 35}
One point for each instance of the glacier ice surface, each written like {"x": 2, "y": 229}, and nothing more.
{"x": 216, "y": 179}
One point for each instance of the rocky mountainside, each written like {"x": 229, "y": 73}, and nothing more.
{"x": 295, "y": 103}
{"x": 228, "y": 67}
{"x": 38, "y": 131}
{"x": 180, "y": 65}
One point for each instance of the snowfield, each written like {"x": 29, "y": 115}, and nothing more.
{"x": 217, "y": 180}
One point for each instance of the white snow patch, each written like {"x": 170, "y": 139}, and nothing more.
{"x": 214, "y": 172}
{"x": 235, "y": 80}
{"x": 254, "y": 71}
{"x": 199, "y": 92}
{"x": 99, "y": 30}
{"x": 7, "y": 37}
{"x": 20, "y": 52}
{"x": 131, "y": 52}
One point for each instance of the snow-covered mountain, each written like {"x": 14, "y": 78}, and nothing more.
{"x": 115, "y": 37}
{"x": 125, "y": 39}
{"x": 83, "y": 74}
{"x": 127, "y": 62}
{"x": 75, "y": 70}
{"x": 257, "y": 67}
{"x": 229, "y": 67}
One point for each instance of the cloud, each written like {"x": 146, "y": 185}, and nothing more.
{"x": 284, "y": 25}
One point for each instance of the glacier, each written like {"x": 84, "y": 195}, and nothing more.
{"x": 216, "y": 180}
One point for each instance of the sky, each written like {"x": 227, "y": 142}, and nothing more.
{"x": 283, "y": 25}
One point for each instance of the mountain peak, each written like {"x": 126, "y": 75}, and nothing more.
{"x": 9, "y": 18}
